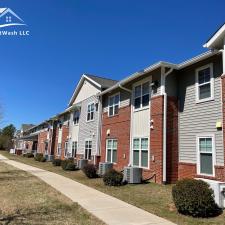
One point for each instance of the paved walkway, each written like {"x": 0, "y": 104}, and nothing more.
{"x": 108, "y": 209}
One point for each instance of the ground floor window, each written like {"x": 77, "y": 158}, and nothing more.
{"x": 205, "y": 155}
{"x": 59, "y": 149}
{"x": 46, "y": 147}
{"x": 88, "y": 147}
{"x": 111, "y": 149}
{"x": 74, "y": 149}
{"x": 66, "y": 149}
{"x": 140, "y": 152}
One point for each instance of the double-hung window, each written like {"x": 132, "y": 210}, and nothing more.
{"x": 74, "y": 149}
{"x": 76, "y": 117}
{"x": 88, "y": 148}
{"x": 114, "y": 104}
{"x": 111, "y": 146}
{"x": 66, "y": 148}
{"x": 59, "y": 149}
{"x": 140, "y": 152}
{"x": 205, "y": 155}
{"x": 90, "y": 112}
{"x": 204, "y": 83}
{"x": 141, "y": 95}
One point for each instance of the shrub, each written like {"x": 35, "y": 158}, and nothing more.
{"x": 113, "y": 178}
{"x": 70, "y": 166}
{"x": 39, "y": 157}
{"x": 29, "y": 155}
{"x": 56, "y": 162}
{"x": 65, "y": 162}
{"x": 195, "y": 198}
{"x": 42, "y": 159}
{"x": 90, "y": 171}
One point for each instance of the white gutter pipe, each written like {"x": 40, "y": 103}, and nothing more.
{"x": 164, "y": 124}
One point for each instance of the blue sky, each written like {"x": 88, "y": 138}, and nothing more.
{"x": 108, "y": 38}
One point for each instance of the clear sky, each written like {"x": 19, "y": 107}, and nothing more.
{"x": 112, "y": 38}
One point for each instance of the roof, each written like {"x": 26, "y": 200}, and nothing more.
{"x": 216, "y": 41}
{"x": 25, "y": 127}
{"x": 101, "y": 82}
{"x": 160, "y": 64}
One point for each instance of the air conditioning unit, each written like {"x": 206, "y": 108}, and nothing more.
{"x": 219, "y": 191}
{"x": 104, "y": 167}
{"x": 132, "y": 175}
{"x": 82, "y": 163}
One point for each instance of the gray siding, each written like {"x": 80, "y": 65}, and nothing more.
{"x": 88, "y": 130}
{"x": 196, "y": 118}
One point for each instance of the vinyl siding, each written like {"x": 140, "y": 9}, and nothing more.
{"x": 197, "y": 118}
{"x": 88, "y": 129}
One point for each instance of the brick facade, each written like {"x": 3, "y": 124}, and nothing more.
{"x": 42, "y": 139}
{"x": 119, "y": 127}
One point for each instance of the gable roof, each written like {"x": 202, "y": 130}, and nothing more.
{"x": 25, "y": 127}
{"x": 216, "y": 41}
{"x": 101, "y": 82}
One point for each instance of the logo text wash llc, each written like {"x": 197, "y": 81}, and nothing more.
{"x": 9, "y": 20}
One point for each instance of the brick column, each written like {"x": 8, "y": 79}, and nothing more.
{"x": 156, "y": 138}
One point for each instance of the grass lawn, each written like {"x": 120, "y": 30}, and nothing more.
{"x": 27, "y": 200}
{"x": 151, "y": 197}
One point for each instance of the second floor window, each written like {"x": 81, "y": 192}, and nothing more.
{"x": 90, "y": 112}
{"x": 114, "y": 105}
{"x": 204, "y": 83}
{"x": 141, "y": 95}
{"x": 76, "y": 117}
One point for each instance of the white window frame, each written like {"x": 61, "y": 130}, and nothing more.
{"x": 59, "y": 144}
{"x": 89, "y": 104}
{"x": 212, "y": 136}
{"x": 113, "y": 96}
{"x": 75, "y": 145}
{"x": 66, "y": 148}
{"x": 111, "y": 139}
{"x": 133, "y": 94}
{"x": 88, "y": 140}
{"x": 211, "y": 82}
{"x": 140, "y": 152}
{"x": 77, "y": 123}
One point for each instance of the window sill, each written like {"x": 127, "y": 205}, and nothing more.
{"x": 145, "y": 168}
{"x": 89, "y": 121}
{"x": 206, "y": 175}
{"x": 116, "y": 115}
{"x": 204, "y": 100}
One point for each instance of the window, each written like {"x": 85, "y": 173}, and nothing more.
{"x": 111, "y": 146}
{"x": 204, "y": 83}
{"x": 76, "y": 117}
{"x": 140, "y": 152}
{"x": 88, "y": 147}
{"x": 205, "y": 151}
{"x": 114, "y": 105}
{"x": 59, "y": 149}
{"x": 141, "y": 95}
{"x": 46, "y": 147}
{"x": 90, "y": 112}
{"x": 8, "y": 19}
{"x": 74, "y": 149}
{"x": 66, "y": 148}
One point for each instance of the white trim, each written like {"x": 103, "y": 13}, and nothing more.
{"x": 118, "y": 93}
{"x": 210, "y": 66}
{"x": 90, "y": 103}
{"x": 132, "y": 150}
{"x": 106, "y": 155}
{"x": 206, "y": 135}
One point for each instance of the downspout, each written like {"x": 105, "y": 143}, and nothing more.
{"x": 164, "y": 124}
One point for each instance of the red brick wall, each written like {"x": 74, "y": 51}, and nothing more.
{"x": 156, "y": 139}
{"x": 42, "y": 137}
{"x": 172, "y": 140}
{"x": 119, "y": 126}
{"x": 28, "y": 144}
{"x": 65, "y": 133}
{"x": 186, "y": 170}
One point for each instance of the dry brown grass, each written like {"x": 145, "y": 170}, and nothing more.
{"x": 24, "y": 199}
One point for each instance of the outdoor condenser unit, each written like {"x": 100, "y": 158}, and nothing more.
{"x": 82, "y": 163}
{"x": 219, "y": 191}
{"x": 132, "y": 175}
{"x": 104, "y": 167}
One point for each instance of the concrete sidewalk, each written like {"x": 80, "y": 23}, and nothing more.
{"x": 110, "y": 210}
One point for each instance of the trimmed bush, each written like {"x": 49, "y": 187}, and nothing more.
{"x": 90, "y": 171}
{"x": 28, "y": 155}
{"x": 70, "y": 166}
{"x": 39, "y": 157}
{"x": 113, "y": 178}
{"x": 195, "y": 198}
{"x": 56, "y": 162}
{"x": 65, "y": 162}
